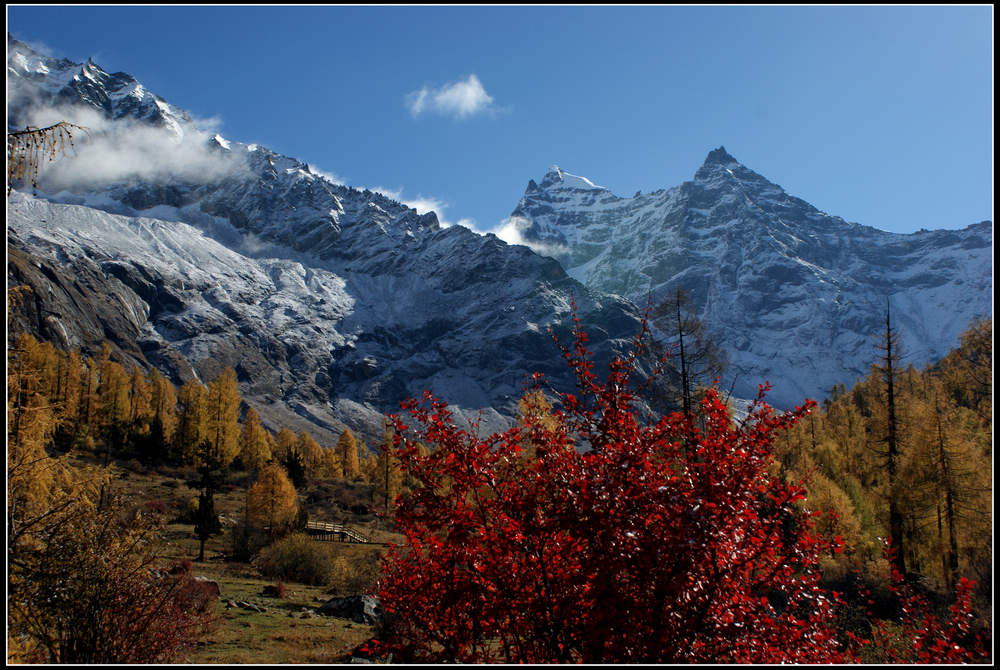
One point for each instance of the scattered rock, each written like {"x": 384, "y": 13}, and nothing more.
{"x": 251, "y": 606}
{"x": 360, "y": 609}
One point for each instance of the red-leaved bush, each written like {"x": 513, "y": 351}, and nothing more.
{"x": 592, "y": 534}
{"x": 922, "y": 637}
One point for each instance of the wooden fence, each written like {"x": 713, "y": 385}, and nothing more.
{"x": 334, "y": 532}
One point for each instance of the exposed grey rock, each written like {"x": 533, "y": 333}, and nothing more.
{"x": 360, "y": 609}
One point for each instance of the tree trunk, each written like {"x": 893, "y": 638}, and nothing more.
{"x": 897, "y": 557}
{"x": 952, "y": 553}
{"x": 685, "y": 387}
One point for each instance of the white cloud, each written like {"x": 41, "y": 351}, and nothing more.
{"x": 395, "y": 194}
{"x": 38, "y": 47}
{"x": 329, "y": 176}
{"x": 424, "y": 204}
{"x": 459, "y": 100}
{"x": 110, "y": 152}
{"x": 511, "y": 230}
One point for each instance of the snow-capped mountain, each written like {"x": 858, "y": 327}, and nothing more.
{"x": 333, "y": 304}
{"x": 38, "y": 80}
{"x": 794, "y": 295}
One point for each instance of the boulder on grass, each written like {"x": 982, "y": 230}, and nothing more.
{"x": 360, "y": 609}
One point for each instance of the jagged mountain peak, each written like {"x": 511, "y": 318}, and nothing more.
{"x": 558, "y": 179}
{"x": 719, "y": 157}
{"x": 35, "y": 80}
{"x": 721, "y": 170}
{"x": 793, "y": 293}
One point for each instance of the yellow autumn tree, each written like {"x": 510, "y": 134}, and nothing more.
{"x": 223, "y": 417}
{"x": 192, "y": 425}
{"x": 331, "y": 467}
{"x": 90, "y": 404}
{"x": 83, "y": 588}
{"x": 835, "y": 515}
{"x": 163, "y": 406}
{"x": 537, "y": 419}
{"x": 79, "y": 585}
{"x": 114, "y": 401}
{"x": 967, "y": 372}
{"x": 286, "y": 444}
{"x": 286, "y": 452}
{"x": 386, "y": 475}
{"x": 347, "y": 448}
{"x": 32, "y": 474}
{"x": 271, "y": 501}
{"x": 368, "y": 465}
{"x": 255, "y": 448}
{"x": 140, "y": 405}
{"x": 310, "y": 452}
{"x": 30, "y": 148}
{"x": 71, "y": 375}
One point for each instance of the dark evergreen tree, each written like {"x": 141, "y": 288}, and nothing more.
{"x": 296, "y": 469}
{"x": 695, "y": 358}
{"x": 206, "y": 520}
{"x": 889, "y": 369}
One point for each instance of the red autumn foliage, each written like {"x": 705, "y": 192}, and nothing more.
{"x": 920, "y": 636}
{"x": 655, "y": 541}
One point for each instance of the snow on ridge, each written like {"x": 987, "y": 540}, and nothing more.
{"x": 792, "y": 291}
{"x": 183, "y": 253}
{"x": 566, "y": 180}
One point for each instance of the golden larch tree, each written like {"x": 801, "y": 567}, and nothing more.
{"x": 255, "y": 448}
{"x": 386, "y": 476}
{"x": 347, "y": 448}
{"x": 192, "y": 426}
{"x": 140, "y": 404}
{"x": 271, "y": 500}
{"x": 224, "y": 417}
{"x": 163, "y": 402}
{"x": 310, "y": 452}
{"x": 286, "y": 444}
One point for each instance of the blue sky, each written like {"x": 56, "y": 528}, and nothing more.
{"x": 882, "y": 115}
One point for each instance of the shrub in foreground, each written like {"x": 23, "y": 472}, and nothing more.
{"x": 591, "y": 534}
{"x": 86, "y": 589}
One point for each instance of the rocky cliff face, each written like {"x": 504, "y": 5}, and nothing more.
{"x": 333, "y": 304}
{"x": 793, "y": 294}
